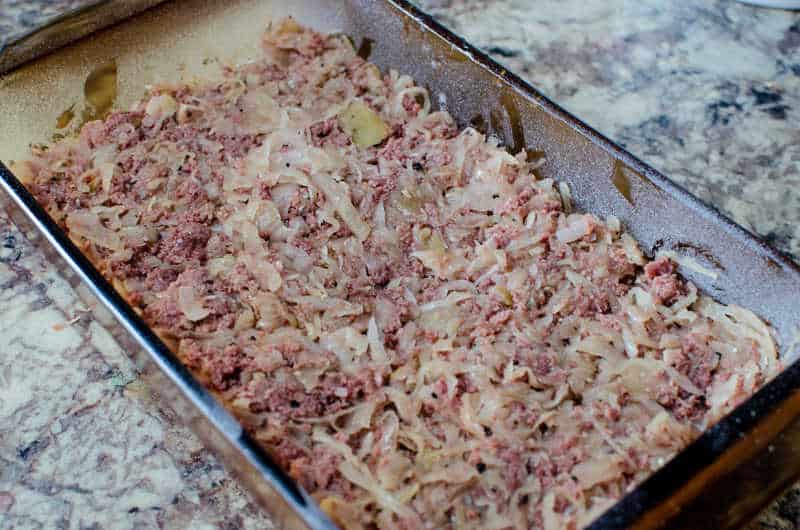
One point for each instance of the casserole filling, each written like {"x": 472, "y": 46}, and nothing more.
{"x": 420, "y": 331}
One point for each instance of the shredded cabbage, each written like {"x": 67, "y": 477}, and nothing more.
{"x": 421, "y": 331}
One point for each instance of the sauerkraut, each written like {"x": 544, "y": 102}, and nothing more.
{"x": 421, "y": 332}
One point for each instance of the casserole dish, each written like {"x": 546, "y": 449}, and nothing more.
{"x": 619, "y": 184}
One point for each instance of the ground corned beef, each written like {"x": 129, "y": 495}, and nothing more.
{"x": 398, "y": 310}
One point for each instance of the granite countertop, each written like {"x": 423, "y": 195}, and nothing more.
{"x": 708, "y": 92}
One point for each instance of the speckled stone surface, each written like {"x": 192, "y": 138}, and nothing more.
{"x": 708, "y": 92}
{"x": 20, "y": 16}
{"x": 82, "y": 442}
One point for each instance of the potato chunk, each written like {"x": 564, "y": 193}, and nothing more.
{"x": 363, "y": 125}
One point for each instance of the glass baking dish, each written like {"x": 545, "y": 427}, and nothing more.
{"x": 722, "y": 479}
